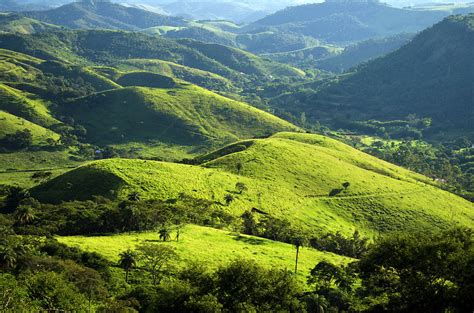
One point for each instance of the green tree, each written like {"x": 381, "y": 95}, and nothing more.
{"x": 420, "y": 272}
{"x": 128, "y": 260}
{"x": 156, "y": 259}
{"x": 24, "y": 215}
{"x": 165, "y": 233}
{"x": 298, "y": 240}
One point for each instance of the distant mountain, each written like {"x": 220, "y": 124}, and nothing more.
{"x": 430, "y": 77}
{"x": 361, "y": 52}
{"x": 100, "y": 14}
{"x": 15, "y": 23}
{"x": 346, "y": 21}
{"x": 212, "y": 10}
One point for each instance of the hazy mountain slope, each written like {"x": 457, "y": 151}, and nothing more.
{"x": 104, "y": 15}
{"x": 336, "y": 21}
{"x": 293, "y": 176}
{"x": 361, "y": 52}
{"x": 15, "y": 23}
{"x": 431, "y": 77}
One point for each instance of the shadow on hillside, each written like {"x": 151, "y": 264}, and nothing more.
{"x": 250, "y": 240}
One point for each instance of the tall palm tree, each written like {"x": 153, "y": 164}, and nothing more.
{"x": 298, "y": 242}
{"x": 127, "y": 261}
{"x": 24, "y": 215}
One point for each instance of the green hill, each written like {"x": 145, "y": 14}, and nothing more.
{"x": 10, "y": 124}
{"x": 94, "y": 47}
{"x": 346, "y": 21}
{"x": 185, "y": 115}
{"x": 23, "y": 105}
{"x": 430, "y": 77}
{"x": 294, "y": 176}
{"x": 103, "y": 15}
{"x": 14, "y": 23}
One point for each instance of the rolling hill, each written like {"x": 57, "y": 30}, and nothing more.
{"x": 14, "y": 23}
{"x": 92, "y": 47}
{"x": 181, "y": 115}
{"x": 347, "y": 21}
{"x": 293, "y": 176}
{"x": 102, "y": 14}
{"x": 430, "y": 77}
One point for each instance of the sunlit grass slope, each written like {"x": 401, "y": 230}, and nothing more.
{"x": 298, "y": 177}
{"x": 211, "y": 246}
{"x": 186, "y": 115}
{"x": 10, "y": 124}
{"x": 20, "y": 104}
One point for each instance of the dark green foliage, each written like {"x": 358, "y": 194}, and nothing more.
{"x": 429, "y": 273}
{"x": 354, "y": 246}
{"x": 430, "y": 77}
{"x": 244, "y": 285}
{"x": 146, "y": 79}
{"x": 22, "y": 139}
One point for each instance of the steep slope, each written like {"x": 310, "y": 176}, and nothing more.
{"x": 345, "y": 21}
{"x": 92, "y": 14}
{"x": 431, "y": 77}
{"x": 362, "y": 52}
{"x": 10, "y": 124}
{"x": 294, "y": 176}
{"x": 184, "y": 115}
{"x": 23, "y": 105}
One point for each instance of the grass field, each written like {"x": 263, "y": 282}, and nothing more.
{"x": 289, "y": 176}
{"x": 213, "y": 247}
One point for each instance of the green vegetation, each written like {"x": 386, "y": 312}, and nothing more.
{"x": 13, "y": 23}
{"x": 211, "y": 246}
{"x": 427, "y": 78}
{"x": 342, "y": 22}
{"x": 103, "y": 15}
{"x": 183, "y": 116}
{"x": 134, "y": 176}
{"x": 290, "y": 176}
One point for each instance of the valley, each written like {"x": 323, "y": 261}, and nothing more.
{"x": 313, "y": 158}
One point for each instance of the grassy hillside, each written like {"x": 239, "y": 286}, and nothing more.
{"x": 212, "y": 246}
{"x": 14, "y": 23}
{"x": 201, "y": 78}
{"x": 20, "y": 104}
{"x": 187, "y": 115}
{"x": 10, "y": 124}
{"x": 112, "y": 47}
{"x": 103, "y": 15}
{"x": 292, "y": 176}
{"x": 335, "y": 21}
